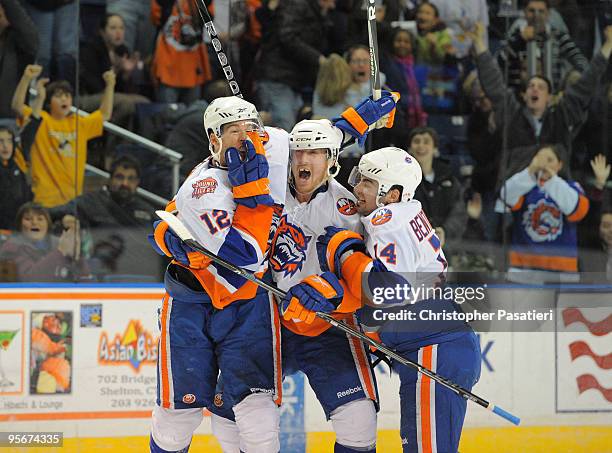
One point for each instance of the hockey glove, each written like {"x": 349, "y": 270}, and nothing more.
{"x": 368, "y": 114}
{"x": 249, "y": 178}
{"x": 335, "y": 243}
{"x": 166, "y": 242}
{"x": 316, "y": 293}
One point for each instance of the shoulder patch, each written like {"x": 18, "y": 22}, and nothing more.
{"x": 382, "y": 216}
{"x": 346, "y": 206}
{"x": 203, "y": 186}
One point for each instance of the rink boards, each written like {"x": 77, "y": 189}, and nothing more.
{"x": 95, "y": 376}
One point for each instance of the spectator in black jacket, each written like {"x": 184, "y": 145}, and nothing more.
{"x": 116, "y": 204}
{"x": 295, "y": 41}
{"x": 118, "y": 222}
{"x": 18, "y": 47}
{"x": 537, "y": 122}
{"x": 108, "y": 50}
{"x": 483, "y": 137}
{"x": 14, "y": 187}
{"x": 440, "y": 192}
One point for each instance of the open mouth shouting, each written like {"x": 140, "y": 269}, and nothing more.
{"x": 35, "y": 233}
{"x": 304, "y": 174}
{"x": 304, "y": 179}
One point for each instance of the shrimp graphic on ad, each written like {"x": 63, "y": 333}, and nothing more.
{"x": 51, "y": 352}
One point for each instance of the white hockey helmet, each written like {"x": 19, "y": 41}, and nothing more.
{"x": 318, "y": 134}
{"x": 226, "y": 110}
{"x": 389, "y": 167}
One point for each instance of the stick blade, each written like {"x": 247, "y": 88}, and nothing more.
{"x": 175, "y": 225}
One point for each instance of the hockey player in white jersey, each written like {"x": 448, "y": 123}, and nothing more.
{"x": 213, "y": 320}
{"x": 337, "y": 366}
{"x": 399, "y": 238}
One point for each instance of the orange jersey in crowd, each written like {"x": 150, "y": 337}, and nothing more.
{"x": 253, "y": 32}
{"x": 176, "y": 64}
{"x": 58, "y": 155}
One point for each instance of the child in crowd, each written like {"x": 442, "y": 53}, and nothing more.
{"x": 14, "y": 187}
{"x": 39, "y": 256}
{"x": 59, "y": 151}
{"x": 546, "y": 208}
{"x": 434, "y": 41}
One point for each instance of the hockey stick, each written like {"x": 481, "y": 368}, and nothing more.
{"x": 216, "y": 43}
{"x": 373, "y": 43}
{"x": 181, "y": 231}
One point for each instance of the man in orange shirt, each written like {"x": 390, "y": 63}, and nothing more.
{"x": 59, "y": 151}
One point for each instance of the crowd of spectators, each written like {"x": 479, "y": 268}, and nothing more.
{"x": 507, "y": 111}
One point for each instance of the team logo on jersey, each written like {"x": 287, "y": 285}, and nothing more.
{"x": 288, "y": 252}
{"x": 189, "y": 398}
{"x": 218, "y": 401}
{"x": 543, "y": 221}
{"x": 382, "y": 216}
{"x": 174, "y": 37}
{"x": 346, "y": 206}
{"x": 203, "y": 186}
{"x": 408, "y": 159}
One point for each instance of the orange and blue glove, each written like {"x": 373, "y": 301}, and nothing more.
{"x": 166, "y": 243}
{"x": 249, "y": 178}
{"x": 357, "y": 121}
{"x": 344, "y": 253}
{"x": 316, "y": 293}
{"x": 335, "y": 243}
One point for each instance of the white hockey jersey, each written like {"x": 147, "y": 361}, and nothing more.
{"x": 400, "y": 235}
{"x": 237, "y": 234}
{"x": 293, "y": 254}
